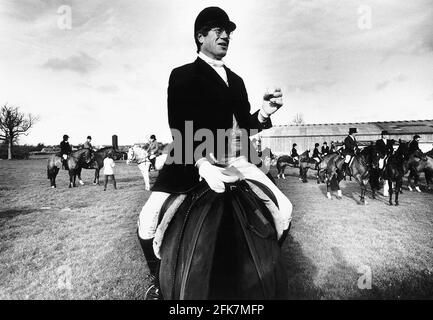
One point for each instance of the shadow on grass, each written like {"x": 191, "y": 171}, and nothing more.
{"x": 300, "y": 271}
{"x": 12, "y": 213}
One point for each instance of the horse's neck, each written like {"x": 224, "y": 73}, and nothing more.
{"x": 140, "y": 154}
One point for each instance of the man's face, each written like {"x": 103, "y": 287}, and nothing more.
{"x": 215, "y": 44}
{"x": 385, "y": 137}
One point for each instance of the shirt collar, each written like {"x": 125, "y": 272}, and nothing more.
{"x": 210, "y": 61}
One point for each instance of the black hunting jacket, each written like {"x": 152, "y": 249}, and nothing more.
{"x": 65, "y": 148}
{"x": 350, "y": 145}
{"x": 197, "y": 93}
{"x": 384, "y": 148}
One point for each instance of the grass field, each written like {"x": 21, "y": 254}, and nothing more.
{"x": 81, "y": 243}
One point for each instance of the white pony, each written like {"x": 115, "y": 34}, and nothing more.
{"x": 139, "y": 155}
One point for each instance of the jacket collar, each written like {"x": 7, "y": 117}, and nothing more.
{"x": 210, "y": 73}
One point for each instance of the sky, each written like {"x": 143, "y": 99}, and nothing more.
{"x": 101, "y": 67}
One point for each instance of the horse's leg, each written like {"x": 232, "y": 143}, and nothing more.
{"x": 70, "y": 178}
{"x": 54, "y": 175}
{"x": 328, "y": 193}
{"x": 79, "y": 177}
{"x": 416, "y": 180}
{"x": 398, "y": 184}
{"x": 386, "y": 188}
{"x": 97, "y": 175}
{"x": 390, "y": 191}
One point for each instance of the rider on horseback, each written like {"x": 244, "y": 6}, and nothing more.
{"x": 317, "y": 155}
{"x": 350, "y": 147}
{"x": 385, "y": 148}
{"x": 65, "y": 151}
{"x": 413, "y": 145}
{"x": 153, "y": 150}
{"x": 199, "y": 92}
{"x": 325, "y": 149}
{"x": 295, "y": 155}
{"x": 88, "y": 145}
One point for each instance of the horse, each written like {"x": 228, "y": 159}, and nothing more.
{"x": 139, "y": 155}
{"x": 329, "y": 171}
{"x": 222, "y": 246}
{"x": 394, "y": 170}
{"x": 361, "y": 167}
{"x": 74, "y": 162}
{"x": 286, "y": 160}
{"x": 416, "y": 164}
{"x": 97, "y": 161}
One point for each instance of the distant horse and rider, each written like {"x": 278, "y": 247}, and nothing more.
{"x": 142, "y": 157}
{"x": 75, "y": 161}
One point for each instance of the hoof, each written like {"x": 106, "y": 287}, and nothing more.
{"x": 81, "y": 182}
{"x": 328, "y": 195}
{"x": 396, "y": 204}
{"x": 417, "y": 189}
{"x": 390, "y": 203}
{"x": 53, "y": 187}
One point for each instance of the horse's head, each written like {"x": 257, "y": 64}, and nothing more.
{"x": 131, "y": 155}
{"x": 372, "y": 156}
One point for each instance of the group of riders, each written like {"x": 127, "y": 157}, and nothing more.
{"x": 384, "y": 147}
{"x": 66, "y": 150}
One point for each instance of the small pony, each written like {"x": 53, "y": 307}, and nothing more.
{"x": 139, "y": 155}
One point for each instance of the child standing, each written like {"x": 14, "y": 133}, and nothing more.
{"x": 109, "y": 171}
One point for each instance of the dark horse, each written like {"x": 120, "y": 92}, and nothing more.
{"x": 394, "y": 170}
{"x": 286, "y": 160}
{"x": 360, "y": 168}
{"x": 97, "y": 161}
{"x": 416, "y": 164}
{"x": 329, "y": 171}
{"x": 222, "y": 246}
{"x": 74, "y": 161}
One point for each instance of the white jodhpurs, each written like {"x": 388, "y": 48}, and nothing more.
{"x": 347, "y": 158}
{"x": 148, "y": 218}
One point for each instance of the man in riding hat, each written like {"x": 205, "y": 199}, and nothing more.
{"x": 88, "y": 145}
{"x": 385, "y": 149}
{"x": 65, "y": 150}
{"x": 325, "y": 149}
{"x": 333, "y": 148}
{"x": 317, "y": 156}
{"x": 294, "y": 154}
{"x": 414, "y": 144}
{"x": 212, "y": 97}
{"x": 153, "y": 149}
{"x": 350, "y": 147}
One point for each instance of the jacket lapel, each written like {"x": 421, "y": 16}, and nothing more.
{"x": 208, "y": 72}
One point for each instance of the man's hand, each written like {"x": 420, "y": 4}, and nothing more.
{"x": 215, "y": 177}
{"x": 272, "y": 101}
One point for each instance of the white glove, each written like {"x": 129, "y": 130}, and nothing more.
{"x": 272, "y": 101}
{"x": 215, "y": 177}
{"x": 65, "y": 156}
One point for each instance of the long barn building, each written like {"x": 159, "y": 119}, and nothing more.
{"x": 280, "y": 138}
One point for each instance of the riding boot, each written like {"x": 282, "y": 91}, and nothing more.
{"x": 153, "y": 292}
{"x": 284, "y": 236}
{"x": 344, "y": 168}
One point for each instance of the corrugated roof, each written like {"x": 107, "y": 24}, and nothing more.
{"x": 363, "y": 128}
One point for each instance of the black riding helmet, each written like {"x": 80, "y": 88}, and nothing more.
{"x": 89, "y": 137}
{"x": 212, "y": 17}
{"x": 65, "y": 137}
{"x": 316, "y": 144}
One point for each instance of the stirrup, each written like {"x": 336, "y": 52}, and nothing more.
{"x": 153, "y": 292}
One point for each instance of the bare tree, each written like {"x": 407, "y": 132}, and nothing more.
{"x": 14, "y": 123}
{"x": 298, "y": 119}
